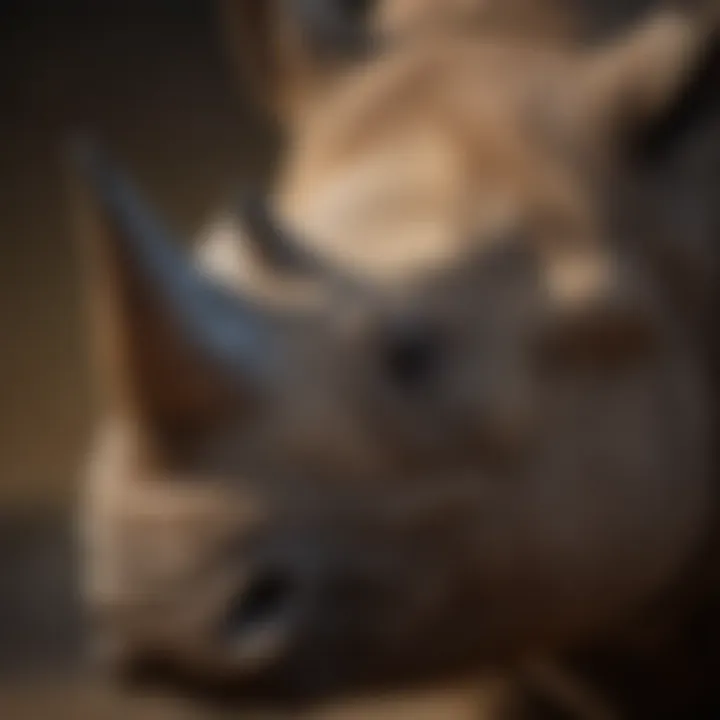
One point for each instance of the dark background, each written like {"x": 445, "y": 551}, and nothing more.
{"x": 149, "y": 78}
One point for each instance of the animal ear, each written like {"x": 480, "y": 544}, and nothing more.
{"x": 172, "y": 349}
{"x": 286, "y": 50}
{"x": 598, "y": 314}
{"x": 642, "y": 74}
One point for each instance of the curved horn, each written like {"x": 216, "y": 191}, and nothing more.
{"x": 227, "y": 327}
{"x": 171, "y": 345}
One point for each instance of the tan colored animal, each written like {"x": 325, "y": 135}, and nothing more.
{"x": 466, "y": 420}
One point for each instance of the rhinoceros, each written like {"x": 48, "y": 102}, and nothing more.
{"x": 439, "y": 403}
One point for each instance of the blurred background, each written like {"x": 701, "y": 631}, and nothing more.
{"x": 149, "y": 78}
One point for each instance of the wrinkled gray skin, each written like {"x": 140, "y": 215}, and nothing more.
{"x": 273, "y": 507}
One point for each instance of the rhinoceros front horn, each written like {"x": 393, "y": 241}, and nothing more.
{"x": 170, "y": 338}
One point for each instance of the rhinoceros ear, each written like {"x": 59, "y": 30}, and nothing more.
{"x": 599, "y": 313}
{"x": 172, "y": 349}
{"x": 639, "y": 76}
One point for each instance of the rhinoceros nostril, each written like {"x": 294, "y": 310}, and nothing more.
{"x": 412, "y": 356}
{"x": 268, "y": 599}
{"x": 262, "y": 619}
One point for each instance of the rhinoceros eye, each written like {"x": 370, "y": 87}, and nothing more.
{"x": 412, "y": 355}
